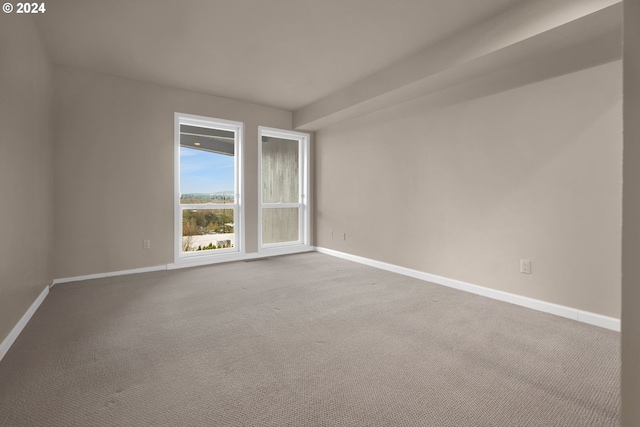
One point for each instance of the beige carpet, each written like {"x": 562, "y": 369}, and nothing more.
{"x": 303, "y": 340}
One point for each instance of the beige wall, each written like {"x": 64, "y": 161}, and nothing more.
{"x": 631, "y": 220}
{"x": 114, "y": 172}
{"x": 26, "y": 169}
{"x": 468, "y": 190}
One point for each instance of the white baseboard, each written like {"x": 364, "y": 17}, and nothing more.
{"x": 546, "y": 307}
{"x": 196, "y": 261}
{"x": 285, "y": 250}
{"x": 13, "y": 335}
{"x": 599, "y": 320}
{"x": 110, "y": 274}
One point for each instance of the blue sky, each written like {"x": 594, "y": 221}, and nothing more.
{"x": 205, "y": 172}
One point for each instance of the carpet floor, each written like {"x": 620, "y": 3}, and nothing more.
{"x": 301, "y": 340}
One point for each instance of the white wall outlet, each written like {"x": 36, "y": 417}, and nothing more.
{"x": 344, "y": 236}
{"x": 146, "y": 244}
{"x": 525, "y": 266}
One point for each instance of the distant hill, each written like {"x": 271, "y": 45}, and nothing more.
{"x": 219, "y": 197}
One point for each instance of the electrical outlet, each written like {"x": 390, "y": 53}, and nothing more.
{"x": 525, "y": 266}
{"x": 344, "y": 236}
{"x": 146, "y": 244}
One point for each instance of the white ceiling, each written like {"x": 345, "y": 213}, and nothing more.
{"x": 281, "y": 53}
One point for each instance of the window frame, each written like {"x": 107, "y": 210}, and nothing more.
{"x": 304, "y": 214}
{"x": 199, "y": 257}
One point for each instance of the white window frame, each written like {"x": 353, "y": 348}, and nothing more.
{"x": 303, "y": 195}
{"x": 218, "y": 255}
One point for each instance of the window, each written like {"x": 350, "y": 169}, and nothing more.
{"x": 284, "y": 188}
{"x": 208, "y": 176}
